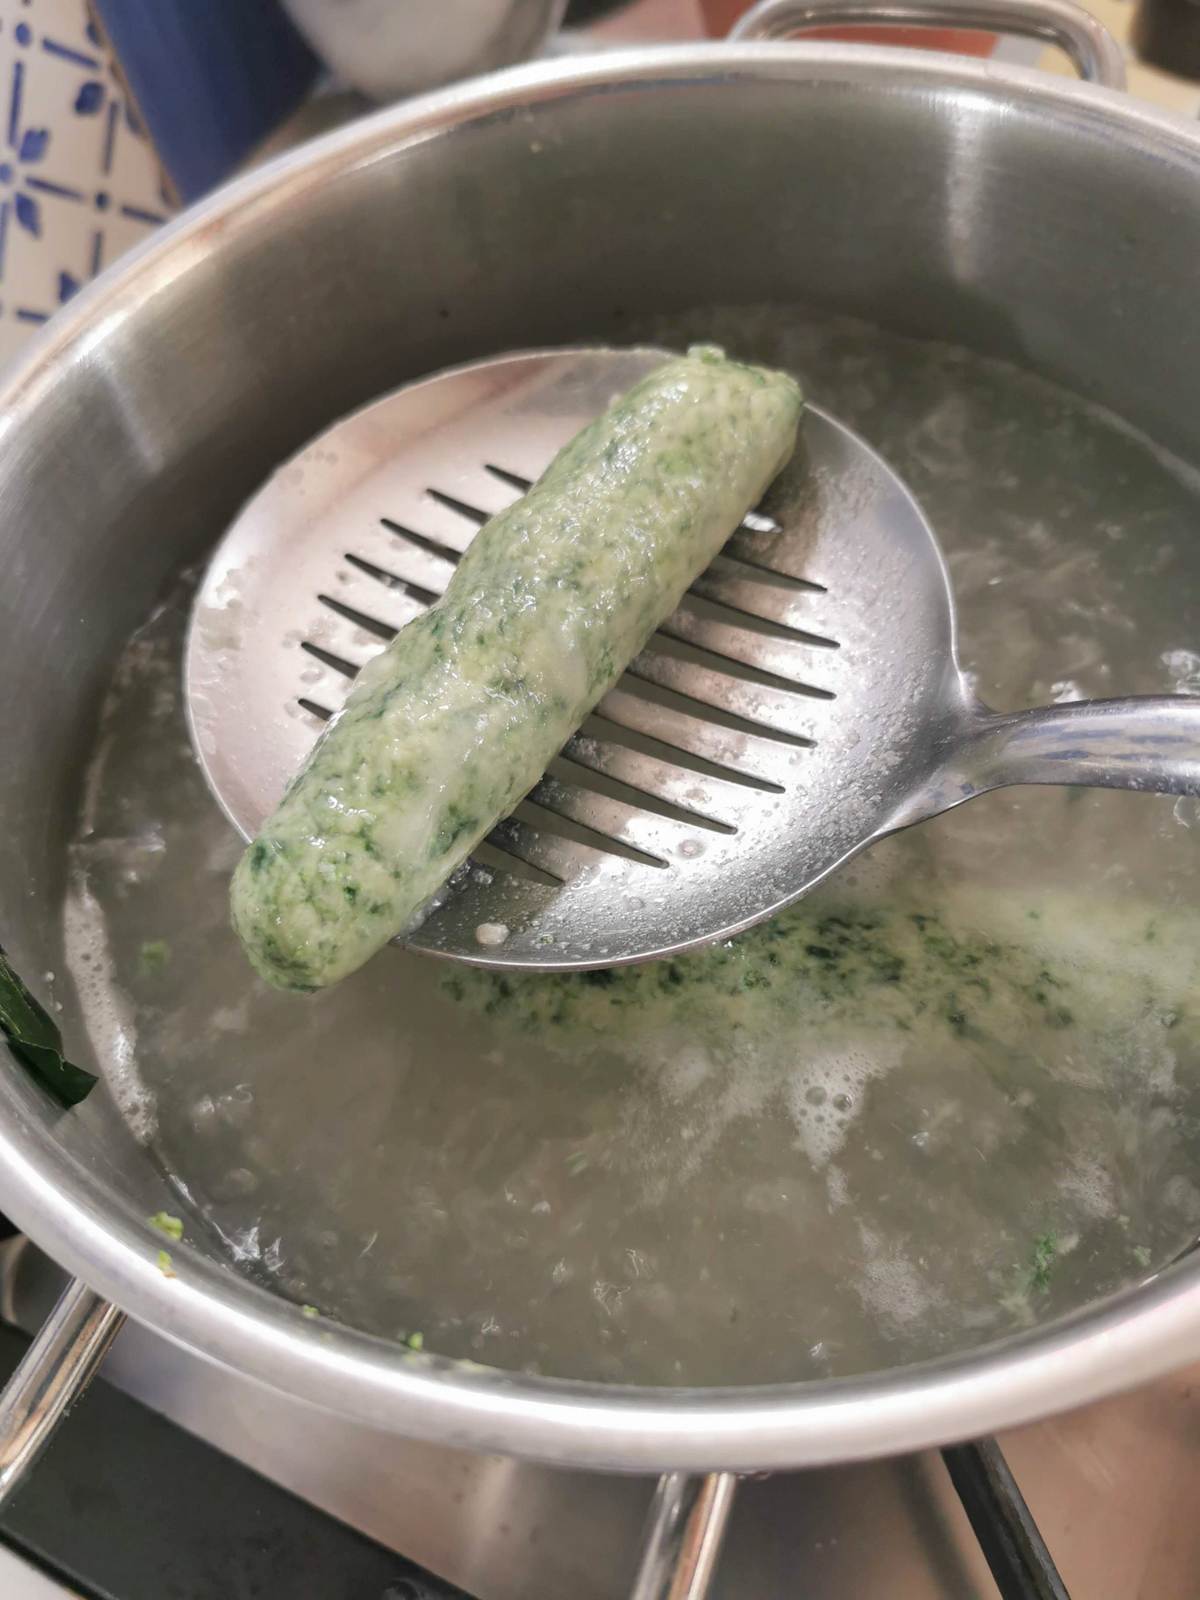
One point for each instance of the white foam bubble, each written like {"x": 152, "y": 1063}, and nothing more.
{"x": 836, "y": 1187}
{"x": 1183, "y": 668}
{"x": 891, "y": 1286}
{"x": 1090, "y": 1186}
{"x": 687, "y": 1066}
{"x": 825, "y": 1093}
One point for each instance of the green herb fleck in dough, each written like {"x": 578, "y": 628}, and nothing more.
{"x": 154, "y": 956}
{"x": 1045, "y": 1250}
{"x": 455, "y": 721}
{"x": 166, "y": 1223}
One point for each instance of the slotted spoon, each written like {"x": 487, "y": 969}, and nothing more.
{"x": 803, "y": 701}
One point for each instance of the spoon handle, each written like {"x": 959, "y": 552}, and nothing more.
{"x": 1150, "y": 743}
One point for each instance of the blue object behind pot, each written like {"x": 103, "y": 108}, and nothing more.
{"x": 211, "y": 78}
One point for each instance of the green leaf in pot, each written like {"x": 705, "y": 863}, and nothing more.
{"x": 35, "y": 1041}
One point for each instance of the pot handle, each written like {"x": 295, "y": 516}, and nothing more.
{"x": 685, "y": 1527}
{"x": 1095, "y": 54}
{"x": 51, "y": 1375}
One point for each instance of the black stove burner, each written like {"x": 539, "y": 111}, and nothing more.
{"x": 124, "y": 1505}
{"x": 1003, "y": 1524}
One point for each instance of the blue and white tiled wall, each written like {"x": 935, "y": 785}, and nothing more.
{"x": 79, "y": 182}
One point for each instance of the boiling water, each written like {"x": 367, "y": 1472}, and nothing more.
{"x": 956, "y": 1091}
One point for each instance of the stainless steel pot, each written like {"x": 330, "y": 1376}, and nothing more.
{"x": 1037, "y": 219}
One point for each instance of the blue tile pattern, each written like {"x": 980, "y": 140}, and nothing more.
{"x": 65, "y": 120}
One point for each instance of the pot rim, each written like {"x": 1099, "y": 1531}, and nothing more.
{"x": 1121, "y": 1341}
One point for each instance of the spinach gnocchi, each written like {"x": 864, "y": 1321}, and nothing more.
{"x": 454, "y": 722}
